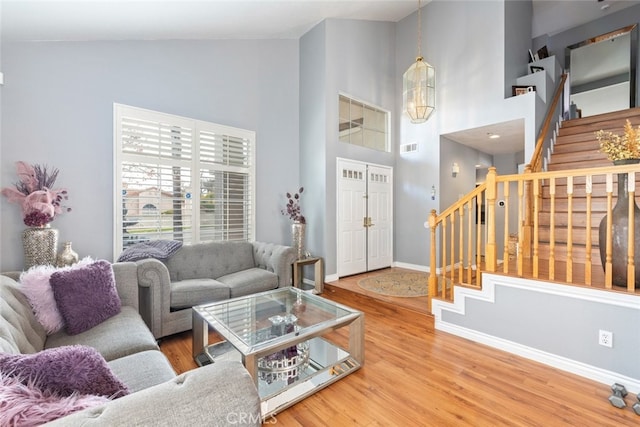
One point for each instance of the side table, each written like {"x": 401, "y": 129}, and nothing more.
{"x": 298, "y": 276}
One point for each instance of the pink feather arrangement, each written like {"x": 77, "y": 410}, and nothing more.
{"x": 35, "y": 194}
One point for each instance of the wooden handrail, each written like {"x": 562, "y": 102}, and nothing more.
{"x": 600, "y": 170}
{"x": 461, "y": 202}
{"x": 463, "y": 259}
{"x": 536, "y": 158}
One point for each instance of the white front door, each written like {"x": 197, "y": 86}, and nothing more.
{"x": 364, "y": 217}
{"x": 379, "y": 214}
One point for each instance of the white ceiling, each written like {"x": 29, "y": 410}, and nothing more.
{"x": 238, "y": 19}
{"x": 187, "y": 19}
{"x": 82, "y": 20}
{"x": 554, "y": 16}
{"x": 511, "y": 137}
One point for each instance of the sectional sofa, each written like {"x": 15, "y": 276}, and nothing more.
{"x": 219, "y": 394}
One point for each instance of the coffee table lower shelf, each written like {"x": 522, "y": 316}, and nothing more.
{"x": 327, "y": 363}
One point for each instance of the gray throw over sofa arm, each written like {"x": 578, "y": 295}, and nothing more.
{"x": 220, "y": 394}
{"x": 154, "y": 280}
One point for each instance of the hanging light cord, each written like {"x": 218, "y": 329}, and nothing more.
{"x": 419, "y": 31}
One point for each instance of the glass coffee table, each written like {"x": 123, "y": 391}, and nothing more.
{"x": 288, "y": 339}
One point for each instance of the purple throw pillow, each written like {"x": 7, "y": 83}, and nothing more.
{"x": 34, "y": 284}
{"x": 86, "y": 296}
{"x": 64, "y": 371}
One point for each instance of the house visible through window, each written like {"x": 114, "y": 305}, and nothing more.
{"x": 181, "y": 179}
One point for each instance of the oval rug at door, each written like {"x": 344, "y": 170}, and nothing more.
{"x": 397, "y": 284}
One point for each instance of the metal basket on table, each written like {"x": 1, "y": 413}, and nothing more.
{"x": 285, "y": 364}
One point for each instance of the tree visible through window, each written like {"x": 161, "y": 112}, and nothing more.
{"x": 181, "y": 179}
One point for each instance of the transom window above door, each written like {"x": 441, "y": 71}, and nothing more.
{"x": 363, "y": 124}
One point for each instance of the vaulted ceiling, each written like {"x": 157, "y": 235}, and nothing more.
{"x": 237, "y": 19}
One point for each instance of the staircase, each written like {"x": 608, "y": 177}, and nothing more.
{"x": 577, "y": 147}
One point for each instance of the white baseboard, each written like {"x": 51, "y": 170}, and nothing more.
{"x": 416, "y": 267}
{"x": 330, "y": 278}
{"x": 594, "y": 373}
{"x": 487, "y": 294}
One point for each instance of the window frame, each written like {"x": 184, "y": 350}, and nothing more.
{"x": 364, "y": 127}
{"x": 195, "y": 166}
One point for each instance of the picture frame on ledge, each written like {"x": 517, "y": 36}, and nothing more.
{"x": 535, "y": 69}
{"x": 522, "y": 90}
{"x": 543, "y": 52}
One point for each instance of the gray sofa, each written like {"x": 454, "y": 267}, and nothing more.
{"x": 218, "y": 394}
{"x": 208, "y": 272}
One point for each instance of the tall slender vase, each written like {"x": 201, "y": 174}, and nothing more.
{"x": 298, "y": 230}
{"x": 40, "y": 246}
{"x": 619, "y": 232}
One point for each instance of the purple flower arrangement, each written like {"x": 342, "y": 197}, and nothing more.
{"x": 292, "y": 209}
{"x": 34, "y": 193}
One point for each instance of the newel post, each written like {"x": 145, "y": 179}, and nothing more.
{"x": 433, "y": 278}
{"x": 491, "y": 250}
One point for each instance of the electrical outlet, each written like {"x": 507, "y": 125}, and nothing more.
{"x": 605, "y": 338}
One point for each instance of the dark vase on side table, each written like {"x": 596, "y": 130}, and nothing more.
{"x": 620, "y": 230}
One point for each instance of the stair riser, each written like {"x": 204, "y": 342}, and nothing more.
{"x": 578, "y": 254}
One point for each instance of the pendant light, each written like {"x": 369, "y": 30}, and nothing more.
{"x": 419, "y": 86}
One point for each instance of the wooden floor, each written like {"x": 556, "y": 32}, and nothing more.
{"x": 415, "y": 375}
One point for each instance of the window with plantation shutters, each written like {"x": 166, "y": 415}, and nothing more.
{"x": 181, "y": 179}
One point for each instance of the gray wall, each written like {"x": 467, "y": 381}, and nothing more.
{"x": 452, "y": 188}
{"x": 557, "y": 43}
{"x": 470, "y": 85}
{"x": 463, "y": 182}
{"x": 57, "y": 109}
{"x": 567, "y": 327}
{"x": 352, "y": 57}
{"x": 517, "y": 41}
{"x": 313, "y": 137}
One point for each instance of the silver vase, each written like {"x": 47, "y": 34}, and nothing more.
{"x": 40, "y": 246}
{"x": 297, "y": 230}
{"x": 67, "y": 256}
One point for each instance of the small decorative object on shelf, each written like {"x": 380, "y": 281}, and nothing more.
{"x": 67, "y": 256}
{"x": 287, "y": 364}
{"x": 40, "y": 204}
{"x": 522, "y": 90}
{"x": 298, "y": 228}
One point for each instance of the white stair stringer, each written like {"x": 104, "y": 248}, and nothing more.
{"x": 487, "y": 294}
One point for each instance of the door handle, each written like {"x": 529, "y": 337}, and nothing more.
{"x": 367, "y": 222}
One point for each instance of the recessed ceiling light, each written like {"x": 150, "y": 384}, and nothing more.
{"x": 493, "y": 135}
